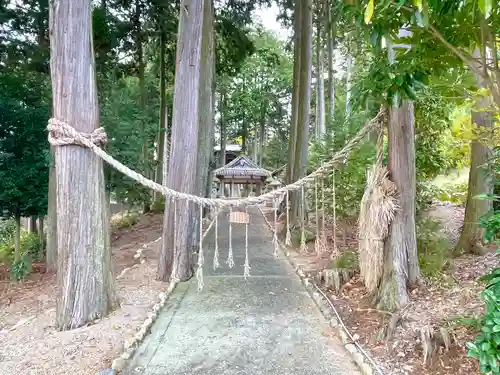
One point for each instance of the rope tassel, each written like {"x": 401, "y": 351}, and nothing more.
{"x": 230, "y": 260}
{"x": 288, "y": 239}
{"x": 246, "y": 271}
{"x": 199, "y": 271}
{"x": 275, "y": 236}
{"x": 303, "y": 245}
{"x": 216, "y": 252}
{"x": 317, "y": 242}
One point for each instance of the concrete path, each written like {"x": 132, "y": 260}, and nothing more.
{"x": 267, "y": 324}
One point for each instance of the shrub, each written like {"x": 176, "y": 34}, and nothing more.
{"x": 30, "y": 244}
{"x": 434, "y": 251}
{"x": 124, "y": 221}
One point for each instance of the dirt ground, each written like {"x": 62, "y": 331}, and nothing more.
{"x": 432, "y": 305}
{"x": 29, "y": 343}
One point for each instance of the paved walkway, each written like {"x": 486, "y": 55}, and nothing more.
{"x": 265, "y": 325}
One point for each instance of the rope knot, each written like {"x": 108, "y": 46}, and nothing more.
{"x": 62, "y": 134}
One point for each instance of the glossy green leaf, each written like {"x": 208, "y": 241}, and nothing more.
{"x": 369, "y": 11}
{"x": 485, "y": 6}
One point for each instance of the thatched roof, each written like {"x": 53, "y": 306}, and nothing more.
{"x": 241, "y": 167}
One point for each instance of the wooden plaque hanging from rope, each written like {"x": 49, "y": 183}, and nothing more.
{"x": 239, "y": 217}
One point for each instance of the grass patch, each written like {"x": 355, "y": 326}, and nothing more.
{"x": 434, "y": 250}
{"x": 124, "y": 221}
{"x": 347, "y": 260}
{"x": 158, "y": 205}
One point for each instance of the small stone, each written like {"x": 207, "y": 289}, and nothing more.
{"x": 137, "y": 256}
{"x": 401, "y": 354}
{"x": 355, "y": 337}
{"x": 156, "y": 307}
{"x": 129, "y": 343}
{"x": 148, "y": 323}
{"x": 143, "y": 261}
{"x": 118, "y": 364}
{"x": 152, "y": 315}
{"x": 343, "y": 337}
{"x": 366, "y": 369}
{"x": 139, "y": 336}
{"x": 334, "y": 322}
{"x": 351, "y": 348}
{"x": 126, "y": 355}
{"x": 162, "y": 295}
{"x": 358, "y": 358}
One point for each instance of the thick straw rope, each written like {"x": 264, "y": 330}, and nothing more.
{"x": 275, "y": 234}
{"x": 201, "y": 258}
{"x": 246, "y": 271}
{"x": 62, "y": 134}
{"x": 230, "y": 260}
{"x": 303, "y": 245}
{"x": 288, "y": 238}
{"x": 216, "y": 252}
{"x": 317, "y": 246}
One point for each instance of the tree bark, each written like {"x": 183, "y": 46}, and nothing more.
{"x": 223, "y": 106}
{"x": 41, "y": 234}
{"x": 163, "y": 119}
{"x": 206, "y": 117}
{"x": 17, "y": 239}
{"x": 86, "y": 285}
{"x": 139, "y": 46}
{"x": 401, "y": 257}
{"x": 348, "y": 83}
{"x": 331, "y": 80}
{"x": 33, "y": 228}
{"x": 301, "y": 147}
{"x": 51, "y": 257}
{"x": 472, "y": 235}
{"x": 262, "y": 131}
{"x": 292, "y": 140}
{"x": 320, "y": 82}
{"x": 175, "y": 259}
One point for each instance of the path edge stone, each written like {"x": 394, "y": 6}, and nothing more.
{"x": 357, "y": 357}
{"x": 131, "y": 345}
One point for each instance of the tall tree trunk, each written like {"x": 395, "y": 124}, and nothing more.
{"x": 51, "y": 257}
{"x": 17, "y": 238}
{"x": 401, "y": 266}
{"x": 41, "y": 234}
{"x": 163, "y": 119}
{"x": 331, "y": 80}
{"x": 262, "y": 131}
{"x": 292, "y": 140}
{"x": 301, "y": 148}
{"x": 348, "y": 83}
{"x": 175, "y": 259}
{"x": 139, "y": 50}
{"x": 223, "y": 106}
{"x": 206, "y": 116}
{"x": 85, "y": 279}
{"x": 33, "y": 228}
{"x": 320, "y": 82}
{"x": 165, "y": 153}
{"x": 471, "y": 237}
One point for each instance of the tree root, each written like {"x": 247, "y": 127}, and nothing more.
{"x": 432, "y": 341}
{"x": 336, "y": 278}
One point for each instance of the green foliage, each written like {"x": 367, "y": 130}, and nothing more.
{"x": 24, "y": 151}
{"x": 434, "y": 251}
{"x": 350, "y": 176}
{"x": 22, "y": 268}
{"x": 126, "y": 221}
{"x": 31, "y": 247}
{"x": 486, "y": 348}
{"x": 348, "y": 260}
